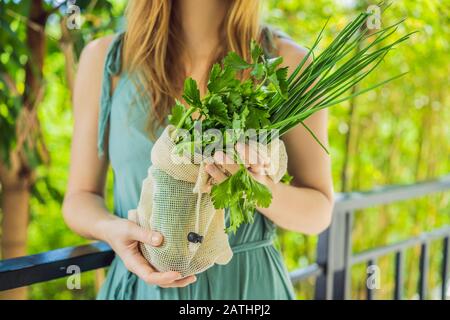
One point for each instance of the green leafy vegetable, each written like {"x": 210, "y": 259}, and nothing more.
{"x": 242, "y": 194}
{"x": 270, "y": 100}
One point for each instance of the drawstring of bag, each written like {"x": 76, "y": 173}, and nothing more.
{"x": 199, "y": 199}
{"x": 198, "y": 188}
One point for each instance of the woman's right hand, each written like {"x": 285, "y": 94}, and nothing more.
{"x": 124, "y": 236}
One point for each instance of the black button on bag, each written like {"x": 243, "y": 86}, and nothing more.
{"x": 194, "y": 237}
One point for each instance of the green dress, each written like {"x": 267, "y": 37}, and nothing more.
{"x": 256, "y": 270}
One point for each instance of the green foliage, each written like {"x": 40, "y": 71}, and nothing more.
{"x": 390, "y": 138}
{"x": 226, "y": 107}
{"x": 242, "y": 194}
{"x": 47, "y": 229}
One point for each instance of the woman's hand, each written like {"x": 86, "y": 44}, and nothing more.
{"x": 256, "y": 163}
{"x": 124, "y": 236}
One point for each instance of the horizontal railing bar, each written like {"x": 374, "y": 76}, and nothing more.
{"x": 345, "y": 202}
{"x": 58, "y": 260}
{"x": 402, "y": 245}
{"x": 53, "y": 264}
{"x": 311, "y": 271}
{"x": 50, "y": 265}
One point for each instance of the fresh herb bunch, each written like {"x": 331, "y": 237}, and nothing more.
{"x": 229, "y": 102}
{"x": 270, "y": 100}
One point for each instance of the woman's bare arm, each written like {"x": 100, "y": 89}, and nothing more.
{"x": 84, "y": 201}
{"x": 305, "y": 205}
{"x": 84, "y": 207}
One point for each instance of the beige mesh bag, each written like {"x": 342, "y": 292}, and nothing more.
{"x": 175, "y": 201}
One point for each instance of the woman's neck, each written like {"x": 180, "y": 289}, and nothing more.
{"x": 201, "y": 21}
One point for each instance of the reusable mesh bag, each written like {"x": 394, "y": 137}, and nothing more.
{"x": 175, "y": 201}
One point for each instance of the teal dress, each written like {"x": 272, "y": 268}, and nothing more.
{"x": 256, "y": 270}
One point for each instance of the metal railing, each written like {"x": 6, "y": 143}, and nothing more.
{"x": 335, "y": 256}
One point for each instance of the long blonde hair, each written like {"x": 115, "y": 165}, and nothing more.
{"x": 153, "y": 45}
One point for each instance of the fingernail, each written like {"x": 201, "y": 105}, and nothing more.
{"x": 219, "y": 157}
{"x": 156, "y": 238}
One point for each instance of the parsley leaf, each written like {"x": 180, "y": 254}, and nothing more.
{"x": 177, "y": 113}
{"x": 258, "y": 71}
{"x": 242, "y": 194}
{"x": 220, "y": 80}
{"x": 235, "y": 61}
{"x": 191, "y": 93}
{"x": 217, "y": 110}
{"x": 256, "y": 51}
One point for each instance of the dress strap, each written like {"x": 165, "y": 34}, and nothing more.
{"x": 267, "y": 39}
{"x": 112, "y": 67}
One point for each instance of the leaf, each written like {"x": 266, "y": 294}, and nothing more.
{"x": 273, "y": 63}
{"x": 220, "y": 194}
{"x": 188, "y": 148}
{"x": 220, "y": 80}
{"x": 282, "y": 80}
{"x": 191, "y": 93}
{"x": 242, "y": 194}
{"x": 261, "y": 194}
{"x": 234, "y": 61}
{"x": 217, "y": 110}
{"x": 235, "y": 98}
{"x": 256, "y": 51}
{"x": 257, "y": 118}
{"x": 215, "y": 71}
{"x": 258, "y": 71}
{"x": 177, "y": 113}
{"x": 287, "y": 178}
{"x": 278, "y": 81}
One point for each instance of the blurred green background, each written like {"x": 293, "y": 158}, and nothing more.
{"x": 394, "y": 135}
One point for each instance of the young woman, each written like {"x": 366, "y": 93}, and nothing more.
{"x": 125, "y": 87}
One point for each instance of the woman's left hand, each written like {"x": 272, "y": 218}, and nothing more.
{"x": 255, "y": 162}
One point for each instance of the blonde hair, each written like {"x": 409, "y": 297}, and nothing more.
{"x": 153, "y": 45}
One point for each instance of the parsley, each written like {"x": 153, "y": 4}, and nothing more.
{"x": 269, "y": 99}
{"x": 242, "y": 194}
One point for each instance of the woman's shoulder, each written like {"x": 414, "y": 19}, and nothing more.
{"x": 95, "y": 51}
{"x": 93, "y": 58}
{"x": 291, "y": 52}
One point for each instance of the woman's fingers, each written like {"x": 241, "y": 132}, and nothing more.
{"x": 215, "y": 173}
{"x": 251, "y": 155}
{"x": 226, "y": 162}
{"x": 140, "y": 234}
{"x": 137, "y": 264}
{"x": 162, "y": 278}
{"x": 181, "y": 283}
{"x": 255, "y": 161}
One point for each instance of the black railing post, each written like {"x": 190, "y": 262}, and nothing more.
{"x": 423, "y": 266}
{"x": 399, "y": 267}
{"x": 333, "y": 255}
{"x": 323, "y": 287}
{"x": 369, "y": 288}
{"x": 445, "y": 267}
